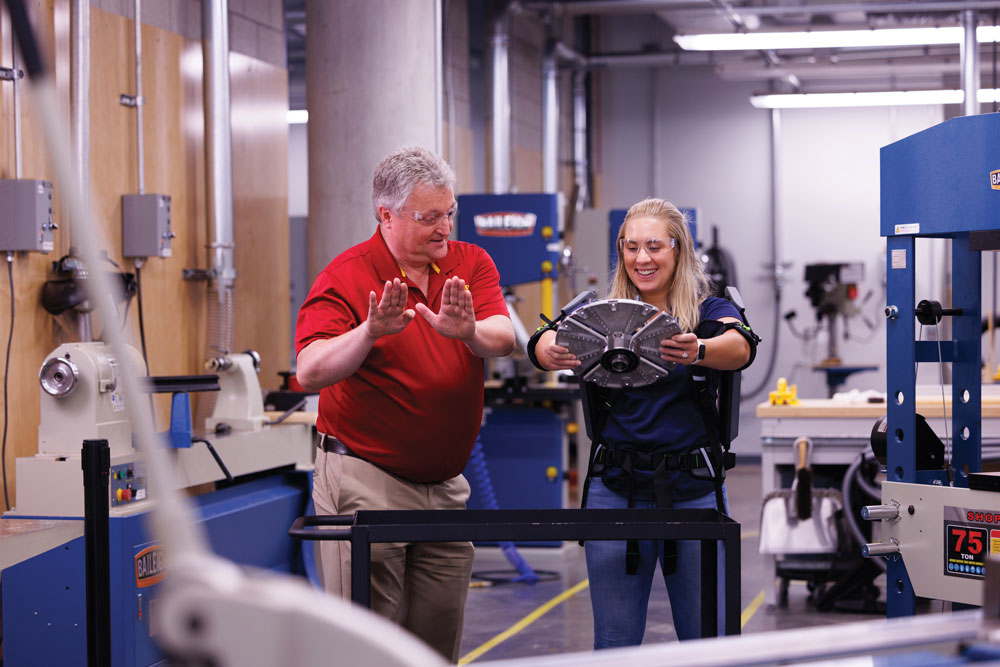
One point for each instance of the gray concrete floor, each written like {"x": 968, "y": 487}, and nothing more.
{"x": 568, "y": 625}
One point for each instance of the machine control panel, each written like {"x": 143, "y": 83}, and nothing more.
{"x": 970, "y": 536}
{"x": 128, "y": 483}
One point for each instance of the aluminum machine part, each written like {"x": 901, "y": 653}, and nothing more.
{"x": 80, "y": 398}
{"x": 240, "y": 403}
{"x": 618, "y": 342}
{"x": 943, "y": 535}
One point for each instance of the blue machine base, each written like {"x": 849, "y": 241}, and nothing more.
{"x": 44, "y": 598}
{"x": 521, "y": 444}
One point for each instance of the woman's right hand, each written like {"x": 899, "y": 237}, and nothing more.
{"x": 554, "y": 357}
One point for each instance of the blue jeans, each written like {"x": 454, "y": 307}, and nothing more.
{"x": 620, "y": 600}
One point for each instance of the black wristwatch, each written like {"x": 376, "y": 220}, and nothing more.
{"x": 701, "y": 352}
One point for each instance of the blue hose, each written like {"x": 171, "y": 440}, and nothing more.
{"x": 481, "y": 478}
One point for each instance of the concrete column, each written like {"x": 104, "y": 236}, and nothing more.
{"x": 371, "y": 87}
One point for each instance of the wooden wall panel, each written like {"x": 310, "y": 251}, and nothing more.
{"x": 33, "y": 328}
{"x": 260, "y": 176}
{"x": 174, "y": 310}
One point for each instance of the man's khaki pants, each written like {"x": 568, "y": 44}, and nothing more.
{"x": 420, "y": 586}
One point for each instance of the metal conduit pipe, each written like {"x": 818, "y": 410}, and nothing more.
{"x": 580, "y": 163}
{"x": 219, "y": 171}
{"x": 834, "y": 8}
{"x": 584, "y": 7}
{"x": 80, "y": 121}
{"x": 139, "y": 101}
{"x": 969, "y": 56}
{"x": 17, "y": 108}
{"x": 554, "y": 53}
{"x": 550, "y": 121}
{"x": 500, "y": 44}
{"x": 776, "y": 265}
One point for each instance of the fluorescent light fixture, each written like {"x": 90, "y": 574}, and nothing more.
{"x": 868, "y": 99}
{"x": 831, "y": 39}
{"x": 297, "y": 116}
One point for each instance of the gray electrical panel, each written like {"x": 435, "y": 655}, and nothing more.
{"x": 26, "y": 215}
{"x": 146, "y": 226}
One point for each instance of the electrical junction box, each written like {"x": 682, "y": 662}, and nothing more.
{"x": 146, "y": 226}
{"x": 26, "y": 215}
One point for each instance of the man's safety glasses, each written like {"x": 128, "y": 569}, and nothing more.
{"x": 432, "y": 218}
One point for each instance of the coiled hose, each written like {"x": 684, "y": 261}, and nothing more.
{"x": 855, "y": 476}
{"x": 484, "y": 484}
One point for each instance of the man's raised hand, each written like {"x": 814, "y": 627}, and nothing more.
{"x": 457, "y": 317}
{"x": 390, "y": 315}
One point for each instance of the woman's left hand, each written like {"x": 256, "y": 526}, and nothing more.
{"x": 681, "y": 349}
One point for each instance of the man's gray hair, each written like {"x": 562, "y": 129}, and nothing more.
{"x": 399, "y": 173}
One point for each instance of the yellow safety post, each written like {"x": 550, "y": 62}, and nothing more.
{"x": 547, "y": 289}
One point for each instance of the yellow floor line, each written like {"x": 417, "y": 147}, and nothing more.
{"x": 751, "y": 609}
{"x": 524, "y": 622}
{"x": 479, "y": 651}
{"x": 748, "y": 534}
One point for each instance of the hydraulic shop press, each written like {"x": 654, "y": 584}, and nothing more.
{"x": 939, "y": 520}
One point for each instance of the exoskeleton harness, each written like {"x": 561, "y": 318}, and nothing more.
{"x": 707, "y": 460}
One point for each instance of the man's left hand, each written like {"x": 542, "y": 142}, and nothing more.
{"x": 457, "y": 318}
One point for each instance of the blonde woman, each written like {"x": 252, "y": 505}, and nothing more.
{"x": 647, "y": 451}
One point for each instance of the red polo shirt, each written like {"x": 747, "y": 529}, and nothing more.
{"x": 415, "y": 405}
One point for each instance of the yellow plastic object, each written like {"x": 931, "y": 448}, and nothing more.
{"x": 551, "y": 473}
{"x": 572, "y": 428}
{"x": 784, "y": 395}
{"x": 547, "y": 232}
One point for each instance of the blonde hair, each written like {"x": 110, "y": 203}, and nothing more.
{"x": 689, "y": 286}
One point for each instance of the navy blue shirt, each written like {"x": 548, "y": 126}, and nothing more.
{"x": 665, "y": 417}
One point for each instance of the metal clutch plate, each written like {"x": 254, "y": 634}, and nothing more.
{"x": 618, "y": 342}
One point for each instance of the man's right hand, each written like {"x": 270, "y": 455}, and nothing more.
{"x": 388, "y": 316}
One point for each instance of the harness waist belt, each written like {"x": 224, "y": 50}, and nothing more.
{"x": 685, "y": 461}
{"x": 331, "y": 445}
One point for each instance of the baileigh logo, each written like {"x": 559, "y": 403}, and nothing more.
{"x": 505, "y": 224}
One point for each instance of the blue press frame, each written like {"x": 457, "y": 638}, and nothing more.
{"x": 936, "y": 183}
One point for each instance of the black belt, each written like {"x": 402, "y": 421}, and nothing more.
{"x": 683, "y": 461}
{"x": 331, "y": 445}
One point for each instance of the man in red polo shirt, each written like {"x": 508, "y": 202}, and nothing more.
{"x": 401, "y": 396}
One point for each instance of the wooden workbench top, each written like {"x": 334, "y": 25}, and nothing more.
{"x": 297, "y": 417}
{"x": 21, "y": 539}
{"x": 812, "y": 408}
